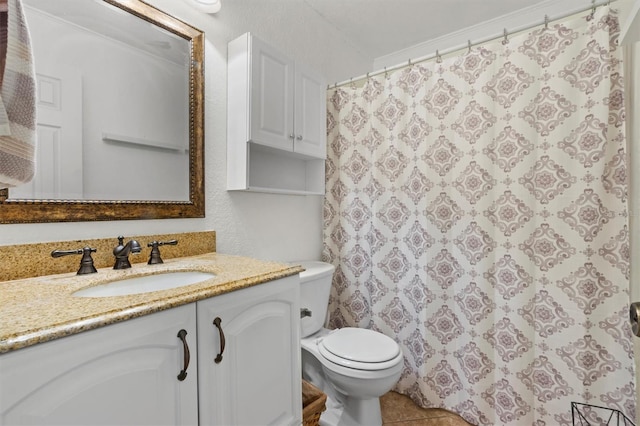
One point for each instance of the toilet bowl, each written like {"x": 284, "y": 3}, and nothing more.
{"x": 358, "y": 384}
{"x": 353, "y": 366}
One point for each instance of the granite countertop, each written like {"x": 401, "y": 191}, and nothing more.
{"x": 35, "y": 310}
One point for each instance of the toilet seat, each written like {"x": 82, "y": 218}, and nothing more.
{"x": 360, "y": 349}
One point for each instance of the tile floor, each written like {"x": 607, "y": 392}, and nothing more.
{"x": 400, "y": 410}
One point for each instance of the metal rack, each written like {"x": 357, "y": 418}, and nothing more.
{"x": 594, "y": 415}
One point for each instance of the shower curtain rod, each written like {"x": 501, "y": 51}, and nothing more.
{"x": 438, "y": 55}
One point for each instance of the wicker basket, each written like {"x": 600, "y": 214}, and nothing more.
{"x": 313, "y": 404}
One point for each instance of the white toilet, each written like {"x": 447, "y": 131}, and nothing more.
{"x": 353, "y": 366}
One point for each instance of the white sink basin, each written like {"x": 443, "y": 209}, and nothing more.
{"x": 146, "y": 284}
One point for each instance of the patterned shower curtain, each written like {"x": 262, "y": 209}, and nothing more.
{"x": 476, "y": 211}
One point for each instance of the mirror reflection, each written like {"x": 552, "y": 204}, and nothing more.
{"x": 112, "y": 105}
{"x": 132, "y": 79}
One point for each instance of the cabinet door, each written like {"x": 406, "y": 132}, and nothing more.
{"x": 257, "y": 381}
{"x": 272, "y": 85}
{"x": 310, "y": 113}
{"x": 121, "y": 374}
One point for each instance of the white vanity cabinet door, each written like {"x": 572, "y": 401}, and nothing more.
{"x": 271, "y": 83}
{"x": 310, "y": 112}
{"x": 257, "y": 381}
{"x": 287, "y": 101}
{"x": 121, "y": 374}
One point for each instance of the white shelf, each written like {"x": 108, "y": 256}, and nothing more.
{"x": 276, "y": 191}
{"x": 112, "y": 137}
{"x": 273, "y": 171}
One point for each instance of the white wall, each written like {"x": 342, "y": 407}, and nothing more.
{"x": 631, "y": 41}
{"x": 633, "y": 137}
{"x": 279, "y": 227}
{"x": 153, "y": 110}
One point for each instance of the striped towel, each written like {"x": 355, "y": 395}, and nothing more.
{"x": 17, "y": 99}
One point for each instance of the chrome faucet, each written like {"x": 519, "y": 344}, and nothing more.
{"x": 122, "y": 250}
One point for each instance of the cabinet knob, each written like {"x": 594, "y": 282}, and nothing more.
{"x": 634, "y": 317}
{"x": 299, "y": 137}
{"x": 292, "y": 136}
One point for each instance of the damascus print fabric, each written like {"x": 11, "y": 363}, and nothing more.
{"x": 476, "y": 212}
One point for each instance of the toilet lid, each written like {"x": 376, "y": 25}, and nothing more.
{"x": 360, "y": 348}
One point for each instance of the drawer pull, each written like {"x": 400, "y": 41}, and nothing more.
{"x": 182, "y": 335}
{"x": 218, "y": 323}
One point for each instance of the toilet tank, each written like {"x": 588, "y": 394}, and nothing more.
{"x": 315, "y": 285}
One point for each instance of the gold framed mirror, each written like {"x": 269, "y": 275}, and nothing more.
{"x": 139, "y": 151}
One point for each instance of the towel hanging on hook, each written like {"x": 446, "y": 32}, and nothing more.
{"x": 593, "y": 10}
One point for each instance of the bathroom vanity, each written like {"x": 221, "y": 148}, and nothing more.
{"x": 220, "y": 352}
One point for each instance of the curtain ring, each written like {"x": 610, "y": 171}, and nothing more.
{"x": 506, "y": 37}
{"x": 438, "y": 57}
{"x": 593, "y": 10}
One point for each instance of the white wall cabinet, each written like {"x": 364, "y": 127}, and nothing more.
{"x": 127, "y": 373}
{"x": 122, "y": 374}
{"x": 249, "y": 346}
{"x": 276, "y": 121}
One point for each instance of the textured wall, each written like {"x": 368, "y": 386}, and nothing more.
{"x": 279, "y": 227}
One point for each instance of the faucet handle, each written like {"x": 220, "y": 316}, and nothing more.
{"x": 155, "y": 258}
{"x": 86, "y": 263}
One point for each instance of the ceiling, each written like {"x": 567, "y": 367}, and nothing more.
{"x": 110, "y": 21}
{"x": 380, "y": 27}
